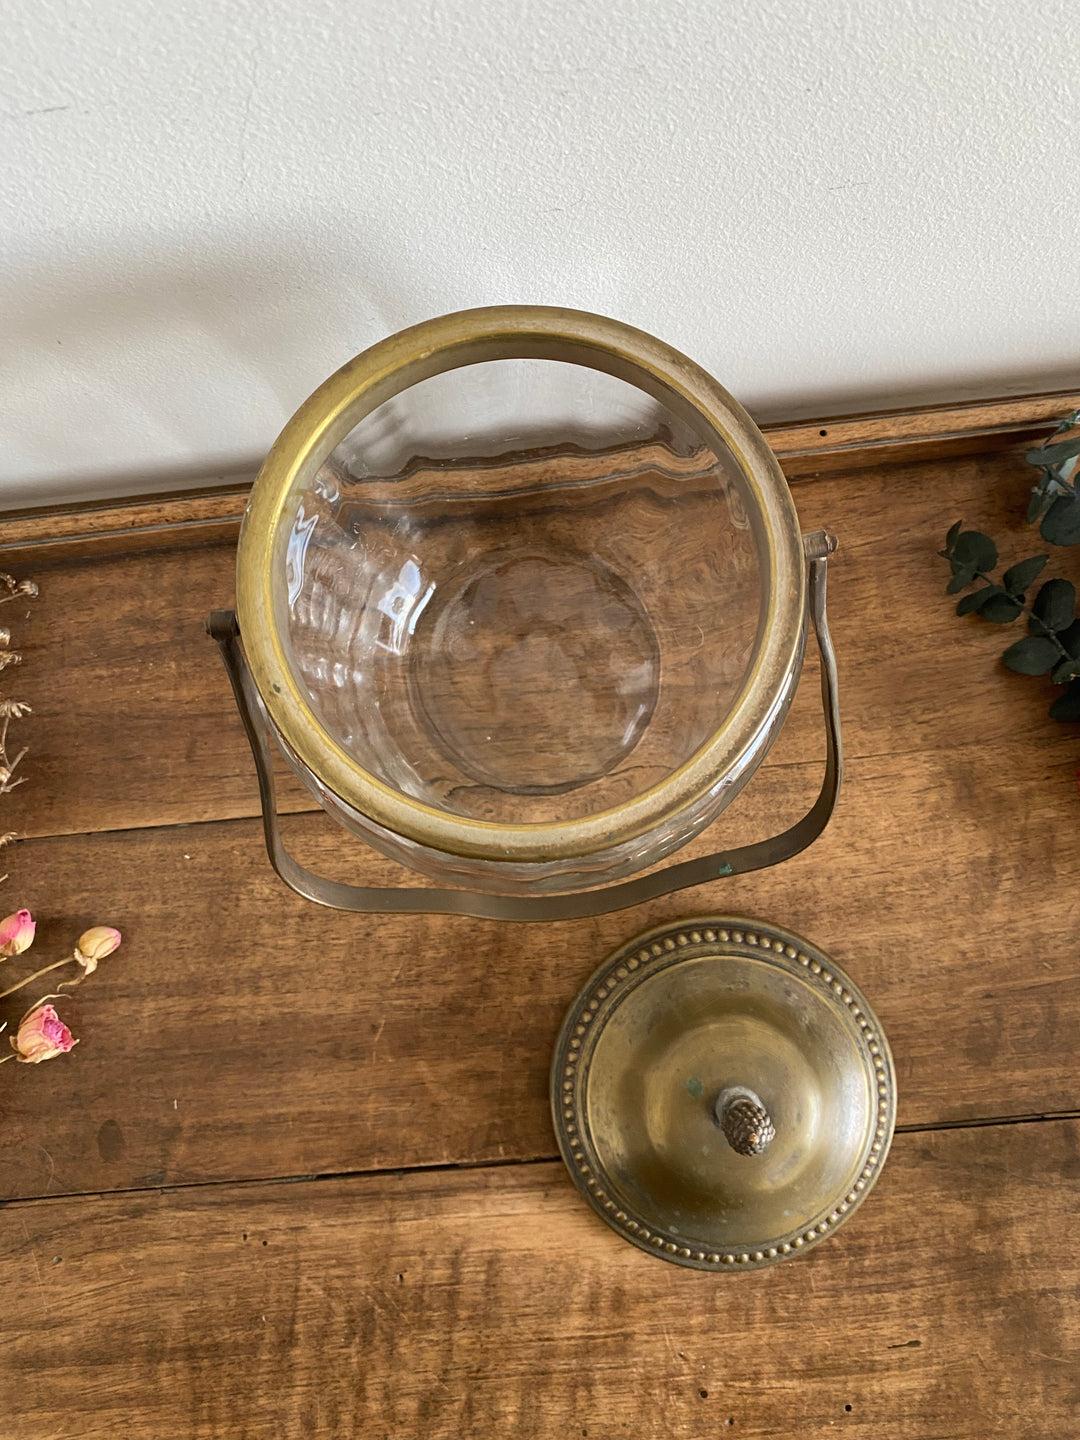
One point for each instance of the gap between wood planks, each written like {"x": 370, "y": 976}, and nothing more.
{"x": 401, "y": 1171}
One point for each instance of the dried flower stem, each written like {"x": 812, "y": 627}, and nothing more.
{"x": 69, "y": 960}
{"x": 8, "y": 766}
{"x": 11, "y": 589}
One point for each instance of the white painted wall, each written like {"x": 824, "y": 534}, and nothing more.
{"x": 207, "y": 206}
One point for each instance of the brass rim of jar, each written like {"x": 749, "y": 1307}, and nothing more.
{"x": 520, "y": 332}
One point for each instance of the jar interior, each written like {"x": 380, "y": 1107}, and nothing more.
{"x": 522, "y": 591}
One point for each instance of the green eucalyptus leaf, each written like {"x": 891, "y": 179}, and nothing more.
{"x": 961, "y": 578}
{"x": 1034, "y": 655}
{"x": 1061, "y": 523}
{"x": 1000, "y": 609}
{"x": 1067, "y": 706}
{"x": 977, "y": 599}
{"x": 1067, "y": 670}
{"x": 954, "y": 531}
{"x": 1046, "y": 455}
{"x": 1070, "y": 638}
{"x": 1018, "y": 577}
{"x": 1038, "y": 505}
{"x": 1055, "y": 604}
{"x": 972, "y": 547}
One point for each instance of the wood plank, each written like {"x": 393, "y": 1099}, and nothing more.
{"x": 46, "y": 534}
{"x": 41, "y": 535}
{"x": 133, "y": 719}
{"x": 915, "y": 435}
{"x": 242, "y": 1032}
{"x": 134, "y": 723}
{"x": 493, "y": 1303}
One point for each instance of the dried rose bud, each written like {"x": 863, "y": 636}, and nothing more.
{"x": 17, "y": 933}
{"x": 94, "y": 945}
{"x": 41, "y": 1036}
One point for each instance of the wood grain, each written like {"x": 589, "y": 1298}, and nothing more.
{"x": 134, "y": 723}
{"x": 241, "y": 1032}
{"x": 242, "y": 1035}
{"x": 296, "y": 1041}
{"x": 808, "y": 448}
{"x": 492, "y": 1302}
{"x": 919, "y": 434}
{"x": 42, "y": 536}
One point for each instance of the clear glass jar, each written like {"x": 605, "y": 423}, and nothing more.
{"x": 523, "y": 597}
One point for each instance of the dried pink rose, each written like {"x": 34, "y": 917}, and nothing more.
{"x": 41, "y": 1036}
{"x": 94, "y": 945}
{"x": 17, "y": 933}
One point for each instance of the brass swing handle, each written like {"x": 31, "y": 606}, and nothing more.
{"x": 223, "y": 628}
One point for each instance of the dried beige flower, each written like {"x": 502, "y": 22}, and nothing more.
{"x": 14, "y": 587}
{"x": 94, "y": 945}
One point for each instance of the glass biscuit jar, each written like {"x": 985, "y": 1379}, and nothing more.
{"x": 523, "y": 599}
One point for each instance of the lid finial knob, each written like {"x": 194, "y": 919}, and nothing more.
{"x": 744, "y": 1120}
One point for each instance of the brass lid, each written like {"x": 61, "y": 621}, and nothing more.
{"x": 722, "y": 1093}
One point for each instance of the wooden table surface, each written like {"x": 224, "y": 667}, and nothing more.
{"x": 299, "y": 1177}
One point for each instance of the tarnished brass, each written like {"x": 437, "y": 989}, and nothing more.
{"x": 691, "y": 1044}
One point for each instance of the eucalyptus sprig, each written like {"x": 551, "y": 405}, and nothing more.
{"x": 1054, "y": 500}
{"x": 1052, "y": 644}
